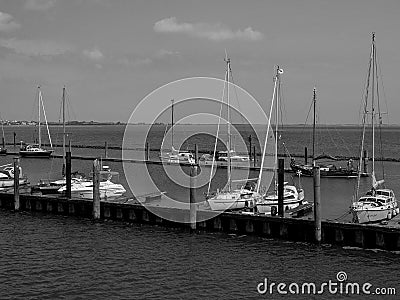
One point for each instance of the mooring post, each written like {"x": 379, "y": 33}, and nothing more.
{"x": 281, "y": 179}
{"x": 3, "y": 142}
{"x": 365, "y": 161}
{"x": 254, "y": 157}
{"x": 15, "y": 135}
{"x": 196, "y": 154}
{"x": 147, "y": 151}
{"x": 96, "y": 189}
{"x": 305, "y": 155}
{"x": 250, "y": 146}
{"x": 317, "y": 204}
{"x": 105, "y": 149}
{"x": 68, "y": 174}
{"x": 16, "y": 183}
{"x": 192, "y": 197}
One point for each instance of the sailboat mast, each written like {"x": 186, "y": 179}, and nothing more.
{"x": 172, "y": 123}
{"x": 228, "y": 67}
{"x": 39, "y": 102}
{"x": 278, "y": 85}
{"x": 63, "y": 120}
{"x": 313, "y": 145}
{"x": 373, "y": 104}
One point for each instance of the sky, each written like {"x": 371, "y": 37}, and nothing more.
{"x": 110, "y": 54}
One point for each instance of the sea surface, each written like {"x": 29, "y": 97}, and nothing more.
{"x": 56, "y": 257}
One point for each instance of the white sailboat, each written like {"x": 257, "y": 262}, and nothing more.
{"x": 229, "y": 198}
{"x": 36, "y": 150}
{"x": 379, "y": 203}
{"x": 292, "y": 197}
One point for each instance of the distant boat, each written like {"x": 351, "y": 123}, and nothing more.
{"x": 176, "y": 156}
{"x": 379, "y": 203}
{"x": 328, "y": 168}
{"x": 7, "y": 176}
{"x": 36, "y": 150}
{"x": 292, "y": 196}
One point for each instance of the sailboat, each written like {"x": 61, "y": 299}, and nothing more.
{"x": 3, "y": 149}
{"x": 327, "y": 169}
{"x": 292, "y": 197}
{"x": 379, "y": 203}
{"x": 176, "y": 156}
{"x": 229, "y": 198}
{"x": 36, "y": 150}
{"x": 46, "y": 186}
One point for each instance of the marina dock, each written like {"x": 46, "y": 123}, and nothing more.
{"x": 385, "y": 237}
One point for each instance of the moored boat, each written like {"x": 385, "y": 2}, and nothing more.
{"x": 37, "y": 150}
{"x": 7, "y": 176}
{"x": 292, "y": 196}
{"x": 109, "y": 190}
{"x": 380, "y": 202}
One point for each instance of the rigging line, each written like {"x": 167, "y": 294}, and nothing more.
{"x": 379, "y": 115}
{"x": 236, "y": 95}
{"x": 47, "y": 126}
{"x": 364, "y": 116}
{"x": 305, "y": 123}
{"x": 216, "y": 137}
{"x": 383, "y": 87}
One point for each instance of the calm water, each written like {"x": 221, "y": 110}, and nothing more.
{"x": 53, "y": 257}
{"x": 50, "y": 257}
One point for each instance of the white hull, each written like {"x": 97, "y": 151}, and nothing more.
{"x": 10, "y": 182}
{"x": 266, "y": 206}
{"x": 366, "y": 216}
{"x": 231, "y": 204}
{"x": 232, "y": 200}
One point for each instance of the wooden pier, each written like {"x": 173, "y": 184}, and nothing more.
{"x": 386, "y": 237}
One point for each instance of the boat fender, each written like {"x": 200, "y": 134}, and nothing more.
{"x": 389, "y": 216}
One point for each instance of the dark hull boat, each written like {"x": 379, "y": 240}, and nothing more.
{"x": 328, "y": 170}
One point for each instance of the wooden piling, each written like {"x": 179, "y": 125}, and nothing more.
{"x": 192, "y": 196}
{"x": 68, "y": 174}
{"x": 365, "y": 161}
{"x": 16, "y": 184}
{"x": 250, "y": 146}
{"x": 3, "y": 142}
{"x": 254, "y": 157}
{"x": 15, "y": 135}
{"x": 305, "y": 156}
{"x": 196, "y": 154}
{"x": 96, "y": 189}
{"x": 105, "y": 149}
{"x": 281, "y": 179}
{"x": 147, "y": 151}
{"x": 317, "y": 204}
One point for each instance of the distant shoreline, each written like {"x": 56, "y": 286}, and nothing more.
{"x": 93, "y": 123}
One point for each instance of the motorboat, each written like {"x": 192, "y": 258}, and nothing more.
{"x": 7, "y": 177}
{"x": 109, "y": 190}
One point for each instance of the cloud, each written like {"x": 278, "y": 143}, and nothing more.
{"x": 94, "y": 54}
{"x": 7, "y": 23}
{"x": 39, "y": 4}
{"x": 214, "y": 32}
{"x": 36, "y": 47}
{"x": 164, "y": 53}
